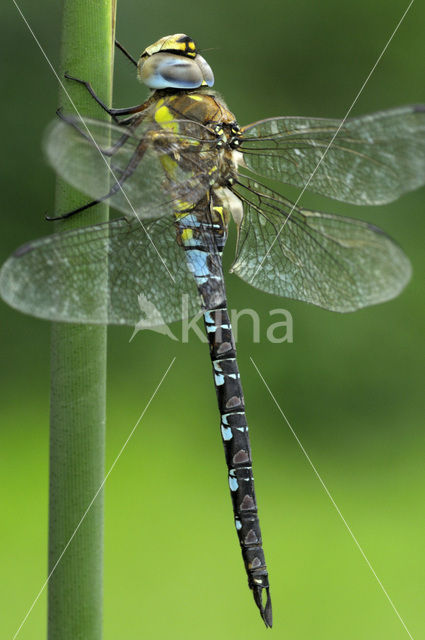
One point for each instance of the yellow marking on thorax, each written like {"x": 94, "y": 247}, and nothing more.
{"x": 165, "y": 118}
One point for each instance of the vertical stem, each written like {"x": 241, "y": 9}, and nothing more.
{"x": 78, "y": 371}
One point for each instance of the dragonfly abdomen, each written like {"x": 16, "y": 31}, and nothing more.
{"x": 235, "y": 436}
{"x": 202, "y": 234}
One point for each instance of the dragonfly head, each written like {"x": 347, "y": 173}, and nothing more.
{"x": 173, "y": 62}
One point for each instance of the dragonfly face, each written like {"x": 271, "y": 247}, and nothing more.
{"x": 180, "y": 167}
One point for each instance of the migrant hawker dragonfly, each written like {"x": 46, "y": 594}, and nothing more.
{"x": 181, "y": 167}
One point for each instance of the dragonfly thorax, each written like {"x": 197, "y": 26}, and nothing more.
{"x": 203, "y": 115}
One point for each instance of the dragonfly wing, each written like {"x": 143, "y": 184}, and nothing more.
{"x": 150, "y": 171}
{"x": 337, "y": 263}
{"x": 111, "y": 273}
{"x": 373, "y": 159}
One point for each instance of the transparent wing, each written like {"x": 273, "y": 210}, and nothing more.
{"x": 151, "y": 171}
{"x": 373, "y": 159}
{"x": 337, "y": 263}
{"x": 111, "y": 273}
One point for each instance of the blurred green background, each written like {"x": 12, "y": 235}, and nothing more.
{"x": 351, "y": 386}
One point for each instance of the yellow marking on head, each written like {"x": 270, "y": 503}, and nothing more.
{"x": 187, "y": 234}
{"x": 178, "y": 46}
{"x": 178, "y": 42}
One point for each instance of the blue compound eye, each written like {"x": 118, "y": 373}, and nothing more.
{"x": 173, "y": 62}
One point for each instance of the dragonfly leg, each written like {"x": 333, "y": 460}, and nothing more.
{"x": 112, "y": 112}
{"x": 69, "y": 214}
{"x": 92, "y": 203}
{"x": 125, "y": 52}
{"x": 109, "y": 151}
{"x": 91, "y": 91}
{"x": 125, "y": 174}
{"x": 117, "y": 186}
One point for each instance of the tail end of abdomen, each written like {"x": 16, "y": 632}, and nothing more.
{"x": 265, "y": 608}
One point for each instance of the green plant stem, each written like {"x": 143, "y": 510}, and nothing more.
{"x": 78, "y": 371}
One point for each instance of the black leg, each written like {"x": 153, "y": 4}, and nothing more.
{"x": 89, "y": 88}
{"x": 112, "y": 112}
{"x": 128, "y": 171}
{"x": 117, "y": 186}
{"x": 73, "y": 123}
{"x": 92, "y": 203}
{"x": 119, "y": 143}
{"x": 109, "y": 151}
{"x": 125, "y": 52}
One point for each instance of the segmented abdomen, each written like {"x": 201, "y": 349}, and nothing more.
{"x": 202, "y": 233}
{"x": 234, "y": 431}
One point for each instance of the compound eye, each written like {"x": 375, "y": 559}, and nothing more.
{"x": 206, "y": 71}
{"x": 164, "y": 70}
{"x": 167, "y": 70}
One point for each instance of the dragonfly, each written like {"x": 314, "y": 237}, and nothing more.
{"x": 181, "y": 168}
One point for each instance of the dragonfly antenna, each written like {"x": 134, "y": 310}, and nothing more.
{"x": 209, "y": 49}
